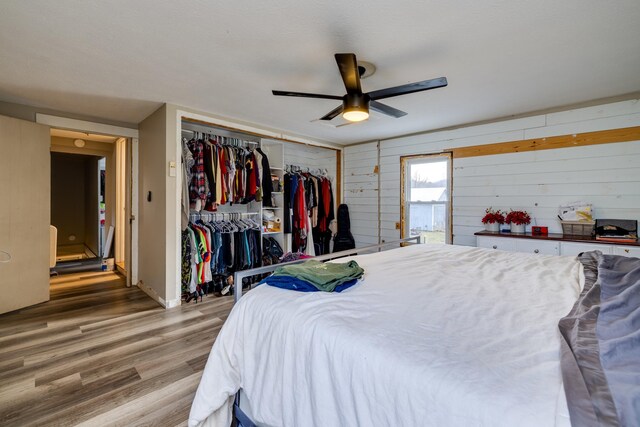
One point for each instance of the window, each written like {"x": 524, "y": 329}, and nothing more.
{"x": 426, "y": 197}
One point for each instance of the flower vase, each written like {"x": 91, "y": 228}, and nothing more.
{"x": 517, "y": 228}
{"x": 492, "y": 227}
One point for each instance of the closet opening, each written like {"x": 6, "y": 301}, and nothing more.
{"x": 90, "y": 175}
{"x": 249, "y": 200}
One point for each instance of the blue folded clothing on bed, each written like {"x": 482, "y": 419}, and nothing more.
{"x": 295, "y": 284}
{"x": 313, "y": 276}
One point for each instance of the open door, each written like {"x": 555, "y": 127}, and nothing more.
{"x": 24, "y": 213}
{"x": 131, "y": 211}
{"x": 121, "y": 205}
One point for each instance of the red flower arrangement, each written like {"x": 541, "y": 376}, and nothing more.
{"x": 518, "y": 217}
{"x": 491, "y": 217}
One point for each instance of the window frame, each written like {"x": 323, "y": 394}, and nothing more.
{"x": 406, "y": 161}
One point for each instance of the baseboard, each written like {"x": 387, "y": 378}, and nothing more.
{"x": 173, "y": 303}
{"x": 89, "y": 253}
{"x": 152, "y": 293}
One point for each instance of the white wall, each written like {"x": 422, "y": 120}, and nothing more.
{"x": 607, "y": 175}
{"x": 310, "y": 157}
{"x": 152, "y": 232}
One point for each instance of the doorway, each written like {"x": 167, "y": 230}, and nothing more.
{"x": 78, "y": 205}
{"x": 89, "y": 202}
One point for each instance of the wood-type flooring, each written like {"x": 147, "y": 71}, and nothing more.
{"x": 100, "y": 354}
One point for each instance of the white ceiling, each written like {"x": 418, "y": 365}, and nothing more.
{"x": 121, "y": 59}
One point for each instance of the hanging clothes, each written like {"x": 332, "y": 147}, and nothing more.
{"x": 308, "y": 210}
{"x": 187, "y": 165}
{"x": 219, "y": 171}
{"x": 197, "y": 187}
{"x": 210, "y": 160}
{"x": 212, "y": 251}
{"x": 267, "y": 184}
{"x": 325, "y": 216}
{"x": 288, "y": 212}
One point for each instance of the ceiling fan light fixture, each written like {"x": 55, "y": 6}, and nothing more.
{"x": 355, "y": 107}
{"x": 355, "y": 114}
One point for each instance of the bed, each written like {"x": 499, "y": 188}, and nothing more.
{"x": 434, "y": 335}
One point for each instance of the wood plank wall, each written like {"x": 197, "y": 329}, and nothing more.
{"x": 361, "y": 191}
{"x": 312, "y": 157}
{"x": 607, "y": 175}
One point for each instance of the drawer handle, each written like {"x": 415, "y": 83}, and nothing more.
{"x": 536, "y": 251}
{"x": 495, "y": 246}
{"x": 626, "y": 250}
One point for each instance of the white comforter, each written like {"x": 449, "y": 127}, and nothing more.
{"x": 433, "y": 336}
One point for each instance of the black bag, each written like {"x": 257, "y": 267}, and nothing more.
{"x": 617, "y": 227}
{"x": 343, "y": 239}
{"x": 271, "y": 251}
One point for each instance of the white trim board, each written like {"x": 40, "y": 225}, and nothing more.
{"x": 252, "y": 129}
{"x": 85, "y": 126}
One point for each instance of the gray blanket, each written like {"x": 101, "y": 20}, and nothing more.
{"x": 601, "y": 344}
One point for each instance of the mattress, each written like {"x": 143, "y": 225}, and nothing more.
{"x": 434, "y": 335}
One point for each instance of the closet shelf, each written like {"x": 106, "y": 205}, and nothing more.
{"x": 276, "y": 169}
{"x": 264, "y": 233}
{"x": 273, "y": 207}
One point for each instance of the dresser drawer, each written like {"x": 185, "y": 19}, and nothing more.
{"x": 631, "y": 251}
{"x": 537, "y": 247}
{"x": 499, "y": 243}
{"x": 574, "y": 249}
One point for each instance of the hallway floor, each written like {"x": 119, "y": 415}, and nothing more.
{"x": 99, "y": 353}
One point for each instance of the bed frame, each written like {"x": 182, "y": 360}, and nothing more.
{"x": 240, "y": 417}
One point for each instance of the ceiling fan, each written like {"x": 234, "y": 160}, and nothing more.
{"x": 356, "y": 104}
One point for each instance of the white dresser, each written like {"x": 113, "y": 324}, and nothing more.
{"x": 551, "y": 245}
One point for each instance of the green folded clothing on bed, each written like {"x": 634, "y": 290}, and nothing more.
{"x": 324, "y": 276}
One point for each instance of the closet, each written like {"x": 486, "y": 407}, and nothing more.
{"x": 237, "y": 202}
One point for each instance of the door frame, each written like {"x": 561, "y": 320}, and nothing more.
{"x": 131, "y": 178}
{"x": 403, "y": 183}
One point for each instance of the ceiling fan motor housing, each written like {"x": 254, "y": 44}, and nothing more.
{"x": 356, "y": 102}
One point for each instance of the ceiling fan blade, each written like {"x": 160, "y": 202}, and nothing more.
{"x": 408, "y": 88}
{"x": 385, "y": 109}
{"x": 348, "y": 66}
{"x": 305, "y": 95}
{"x": 333, "y": 113}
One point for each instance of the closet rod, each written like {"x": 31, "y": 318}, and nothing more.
{"x": 224, "y": 215}
{"x": 296, "y": 168}
{"x": 244, "y": 141}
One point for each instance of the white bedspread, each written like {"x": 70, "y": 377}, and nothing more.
{"x": 434, "y": 335}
